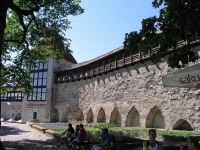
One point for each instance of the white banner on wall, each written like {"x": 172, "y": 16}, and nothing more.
{"x": 189, "y": 77}
{"x": 8, "y": 103}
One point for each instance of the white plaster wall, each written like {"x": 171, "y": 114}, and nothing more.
{"x": 8, "y": 110}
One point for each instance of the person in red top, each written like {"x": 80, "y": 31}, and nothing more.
{"x": 80, "y": 138}
{"x": 81, "y": 134}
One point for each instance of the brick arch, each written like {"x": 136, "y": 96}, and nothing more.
{"x": 115, "y": 116}
{"x": 182, "y": 125}
{"x": 155, "y": 119}
{"x": 133, "y": 118}
{"x": 79, "y": 115}
{"x": 54, "y": 115}
{"x": 101, "y": 116}
{"x": 66, "y": 116}
{"x": 90, "y": 116}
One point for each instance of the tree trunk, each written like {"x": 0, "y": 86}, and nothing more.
{"x": 3, "y": 11}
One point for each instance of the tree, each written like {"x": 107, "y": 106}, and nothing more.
{"x": 179, "y": 20}
{"x": 32, "y": 29}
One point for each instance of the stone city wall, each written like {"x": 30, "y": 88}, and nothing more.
{"x": 132, "y": 96}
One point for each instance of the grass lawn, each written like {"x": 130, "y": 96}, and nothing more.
{"x": 123, "y": 134}
{"x": 97, "y": 127}
{"x": 127, "y": 135}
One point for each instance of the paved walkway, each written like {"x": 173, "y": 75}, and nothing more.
{"x": 22, "y": 137}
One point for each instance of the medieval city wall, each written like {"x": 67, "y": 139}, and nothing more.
{"x": 132, "y": 96}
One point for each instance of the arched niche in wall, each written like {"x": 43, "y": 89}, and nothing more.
{"x": 115, "y": 116}
{"x": 90, "y": 116}
{"x": 155, "y": 119}
{"x": 182, "y": 125}
{"x": 133, "y": 118}
{"x": 79, "y": 115}
{"x": 54, "y": 115}
{"x": 18, "y": 116}
{"x": 66, "y": 116}
{"x": 101, "y": 116}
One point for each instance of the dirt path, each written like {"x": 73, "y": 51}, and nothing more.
{"x": 22, "y": 137}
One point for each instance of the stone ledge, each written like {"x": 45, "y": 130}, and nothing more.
{"x": 53, "y": 133}
{"x": 129, "y": 145}
{"x": 30, "y": 124}
{"x": 39, "y": 128}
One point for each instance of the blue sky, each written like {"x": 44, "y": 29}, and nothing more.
{"x": 102, "y": 27}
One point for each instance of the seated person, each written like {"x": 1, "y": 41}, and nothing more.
{"x": 74, "y": 135}
{"x": 191, "y": 144}
{"x": 102, "y": 137}
{"x": 152, "y": 144}
{"x": 80, "y": 138}
{"x": 67, "y": 134}
{"x": 108, "y": 144}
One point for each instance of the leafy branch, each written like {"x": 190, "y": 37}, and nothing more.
{"x": 177, "y": 21}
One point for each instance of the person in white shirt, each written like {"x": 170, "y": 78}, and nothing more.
{"x": 152, "y": 144}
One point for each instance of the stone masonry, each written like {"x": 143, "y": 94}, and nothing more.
{"x": 132, "y": 96}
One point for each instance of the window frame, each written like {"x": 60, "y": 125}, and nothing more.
{"x": 38, "y": 73}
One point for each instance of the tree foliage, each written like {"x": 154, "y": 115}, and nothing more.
{"x": 32, "y": 29}
{"x": 178, "y": 20}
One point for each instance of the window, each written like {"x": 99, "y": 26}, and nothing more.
{"x": 39, "y": 82}
{"x": 12, "y": 96}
